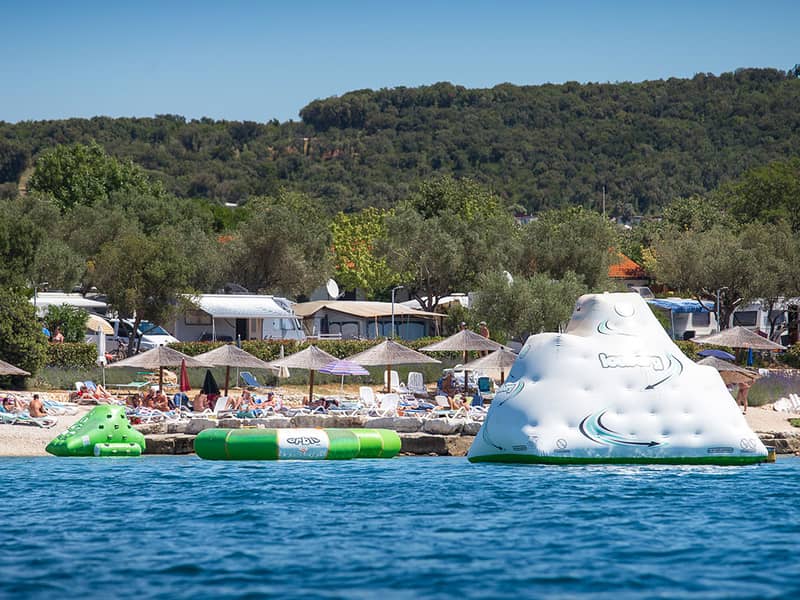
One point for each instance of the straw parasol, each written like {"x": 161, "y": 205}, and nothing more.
{"x": 464, "y": 341}
{"x": 389, "y": 353}
{"x": 501, "y": 359}
{"x": 729, "y": 372}
{"x": 229, "y": 356}
{"x": 99, "y": 325}
{"x": 739, "y": 337}
{"x": 9, "y": 369}
{"x": 158, "y": 358}
{"x": 311, "y": 359}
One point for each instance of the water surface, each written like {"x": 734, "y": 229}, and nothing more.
{"x": 179, "y": 527}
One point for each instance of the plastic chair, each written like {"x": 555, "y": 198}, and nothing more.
{"x": 416, "y": 384}
{"x": 484, "y": 384}
{"x": 394, "y": 384}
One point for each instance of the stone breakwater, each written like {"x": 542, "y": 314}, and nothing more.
{"x": 422, "y": 437}
{"x": 784, "y": 442}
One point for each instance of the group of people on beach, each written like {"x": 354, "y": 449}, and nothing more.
{"x": 34, "y": 407}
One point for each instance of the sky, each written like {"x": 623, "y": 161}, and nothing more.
{"x": 249, "y": 60}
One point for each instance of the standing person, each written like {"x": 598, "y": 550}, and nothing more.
{"x": 483, "y": 329}
{"x": 58, "y": 337}
{"x": 741, "y": 395}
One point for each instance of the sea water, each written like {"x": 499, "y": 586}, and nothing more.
{"x": 180, "y": 527}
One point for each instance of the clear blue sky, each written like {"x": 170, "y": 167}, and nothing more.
{"x": 263, "y": 60}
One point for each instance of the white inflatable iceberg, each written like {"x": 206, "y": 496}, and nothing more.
{"x": 613, "y": 388}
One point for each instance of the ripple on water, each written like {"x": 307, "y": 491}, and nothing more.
{"x": 405, "y": 528}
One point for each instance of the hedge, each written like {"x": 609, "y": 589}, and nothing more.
{"x": 71, "y": 355}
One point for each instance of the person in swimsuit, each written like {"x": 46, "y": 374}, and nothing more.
{"x": 36, "y": 408}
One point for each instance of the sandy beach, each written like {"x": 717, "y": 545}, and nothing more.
{"x": 27, "y": 440}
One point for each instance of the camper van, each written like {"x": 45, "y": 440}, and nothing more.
{"x": 687, "y": 318}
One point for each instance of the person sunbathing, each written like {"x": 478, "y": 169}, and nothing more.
{"x": 161, "y": 402}
{"x": 36, "y": 407}
{"x": 11, "y": 405}
{"x": 200, "y": 402}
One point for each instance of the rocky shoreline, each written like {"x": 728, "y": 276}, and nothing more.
{"x": 419, "y": 437}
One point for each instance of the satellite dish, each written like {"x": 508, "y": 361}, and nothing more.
{"x": 509, "y": 277}
{"x": 333, "y": 289}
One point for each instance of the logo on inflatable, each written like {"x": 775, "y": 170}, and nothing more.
{"x": 623, "y": 361}
{"x": 302, "y": 441}
{"x": 593, "y": 428}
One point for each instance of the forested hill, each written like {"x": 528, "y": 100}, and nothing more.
{"x": 538, "y": 146}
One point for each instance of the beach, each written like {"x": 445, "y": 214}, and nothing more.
{"x": 28, "y": 440}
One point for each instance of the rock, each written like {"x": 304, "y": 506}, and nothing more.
{"x": 471, "y": 428}
{"x": 151, "y": 428}
{"x": 178, "y": 426}
{"x": 398, "y": 424}
{"x": 309, "y": 421}
{"x": 230, "y": 423}
{"x": 439, "y": 445}
{"x": 177, "y": 443}
{"x": 270, "y": 422}
{"x": 443, "y": 426}
{"x": 195, "y": 426}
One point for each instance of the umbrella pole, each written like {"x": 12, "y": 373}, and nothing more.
{"x": 502, "y": 377}
{"x": 227, "y": 377}
{"x": 388, "y": 378}
{"x": 160, "y": 378}
{"x": 310, "y": 386}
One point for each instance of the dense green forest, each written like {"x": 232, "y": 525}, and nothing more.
{"x": 539, "y": 147}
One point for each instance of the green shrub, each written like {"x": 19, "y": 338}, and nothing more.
{"x": 21, "y": 341}
{"x": 70, "y": 319}
{"x": 71, "y": 356}
{"x": 791, "y": 358}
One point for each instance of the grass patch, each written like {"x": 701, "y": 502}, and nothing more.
{"x": 794, "y": 422}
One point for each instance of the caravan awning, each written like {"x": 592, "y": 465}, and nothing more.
{"x": 232, "y": 306}
{"x": 358, "y": 308}
{"x": 681, "y": 305}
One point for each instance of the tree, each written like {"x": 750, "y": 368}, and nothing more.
{"x": 144, "y": 275}
{"x": 776, "y": 251}
{"x": 515, "y": 310}
{"x": 85, "y": 174}
{"x": 283, "y": 247}
{"x": 704, "y": 263}
{"x": 355, "y": 259}
{"x": 70, "y": 319}
{"x": 446, "y": 235}
{"x": 21, "y": 341}
{"x": 571, "y": 239}
{"x": 770, "y": 193}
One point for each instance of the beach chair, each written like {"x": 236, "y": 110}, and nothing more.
{"x": 54, "y": 407}
{"x": 394, "y": 385}
{"x": 250, "y": 381}
{"x": 24, "y": 418}
{"x": 221, "y": 409}
{"x": 387, "y": 405}
{"x": 484, "y": 384}
{"x": 416, "y": 384}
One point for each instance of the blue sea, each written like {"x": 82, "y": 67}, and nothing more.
{"x": 180, "y": 527}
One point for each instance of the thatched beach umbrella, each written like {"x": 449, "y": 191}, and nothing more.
{"x": 311, "y": 359}
{"x": 390, "y": 353}
{"x": 9, "y": 369}
{"x": 739, "y": 337}
{"x": 501, "y": 359}
{"x": 232, "y": 356}
{"x": 158, "y": 358}
{"x": 730, "y": 372}
{"x": 464, "y": 341}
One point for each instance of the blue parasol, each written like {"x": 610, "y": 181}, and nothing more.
{"x": 717, "y": 354}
